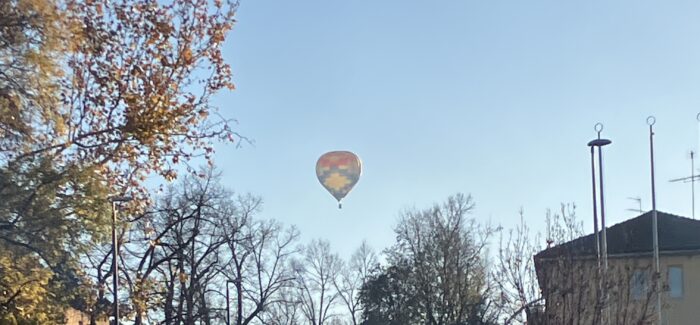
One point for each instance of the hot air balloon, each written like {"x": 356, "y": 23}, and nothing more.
{"x": 338, "y": 172}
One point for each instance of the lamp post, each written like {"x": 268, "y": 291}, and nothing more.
{"x": 601, "y": 247}
{"x": 601, "y": 237}
{"x": 115, "y": 253}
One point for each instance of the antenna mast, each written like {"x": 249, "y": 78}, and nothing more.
{"x": 654, "y": 222}
{"x": 690, "y": 179}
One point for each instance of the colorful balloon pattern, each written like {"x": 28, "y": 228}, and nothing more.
{"x": 338, "y": 172}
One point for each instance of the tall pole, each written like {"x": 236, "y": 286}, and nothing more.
{"x": 692, "y": 162}
{"x": 602, "y": 213}
{"x": 599, "y": 272}
{"x": 692, "y": 179}
{"x": 600, "y": 237}
{"x": 654, "y": 221}
{"x": 604, "y": 233}
{"x": 115, "y": 265}
{"x": 115, "y": 254}
{"x": 595, "y": 210}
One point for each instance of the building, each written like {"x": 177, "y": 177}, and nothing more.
{"x": 76, "y": 317}
{"x": 577, "y": 291}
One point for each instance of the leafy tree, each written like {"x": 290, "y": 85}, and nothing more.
{"x": 134, "y": 98}
{"x": 24, "y": 289}
{"x": 94, "y": 97}
{"x": 389, "y": 298}
{"x": 49, "y": 227}
{"x": 31, "y": 41}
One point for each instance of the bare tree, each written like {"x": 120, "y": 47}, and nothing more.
{"x": 260, "y": 252}
{"x": 447, "y": 250}
{"x": 191, "y": 240}
{"x": 566, "y": 287}
{"x": 576, "y": 290}
{"x": 285, "y": 311}
{"x": 98, "y": 263}
{"x": 352, "y": 277}
{"x": 514, "y": 276}
{"x": 315, "y": 274}
{"x": 179, "y": 256}
{"x": 169, "y": 256}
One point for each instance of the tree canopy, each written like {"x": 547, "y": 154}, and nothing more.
{"x": 436, "y": 271}
{"x": 95, "y": 96}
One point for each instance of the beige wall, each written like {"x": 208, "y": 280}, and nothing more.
{"x": 574, "y": 295}
{"x": 572, "y": 291}
{"x": 75, "y": 317}
{"x": 685, "y": 310}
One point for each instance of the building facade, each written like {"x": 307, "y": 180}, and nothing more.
{"x": 578, "y": 289}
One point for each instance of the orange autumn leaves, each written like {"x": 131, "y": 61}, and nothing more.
{"x": 135, "y": 97}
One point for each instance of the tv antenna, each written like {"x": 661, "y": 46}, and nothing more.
{"x": 690, "y": 179}
{"x": 639, "y": 202}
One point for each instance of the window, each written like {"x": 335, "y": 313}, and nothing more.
{"x": 675, "y": 281}
{"x": 639, "y": 284}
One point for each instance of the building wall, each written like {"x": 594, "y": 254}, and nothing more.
{"x": 75, "y": 317}
{"x": 684, "y": 310}
{"x": 571, "y": 291}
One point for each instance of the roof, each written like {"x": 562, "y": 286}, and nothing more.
{"x": 634, "y": 236}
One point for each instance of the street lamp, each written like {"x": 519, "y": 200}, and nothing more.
{"x": 115, "y": 253}
{"x": 601, "y": 244}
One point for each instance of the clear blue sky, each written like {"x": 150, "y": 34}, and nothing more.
{"x": 493, "y": 98}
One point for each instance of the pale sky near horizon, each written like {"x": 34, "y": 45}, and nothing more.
{"x": 491, "y": 98}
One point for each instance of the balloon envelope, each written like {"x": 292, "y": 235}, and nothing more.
{"x": 338, "y": 172}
